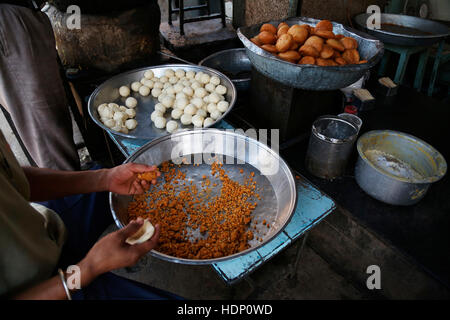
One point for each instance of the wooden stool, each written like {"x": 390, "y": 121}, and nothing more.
{"x": 181, "y": 9}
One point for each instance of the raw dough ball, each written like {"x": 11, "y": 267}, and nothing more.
{"x": 186, "y": 83}
{"x": 130, "y": 113}
{"x": 176, "y": 113}
{"x": 159, "y": 107}
{"x": 167, "y": 101}
{"x": 186, "y": 119}
{"x": 161, "y": 96}
{"x": 117, "y": 128}
{"x": 160, "y": 122}
{"x": 211, "y": 107}
{"x": 149, "y": 74}
{"x": 143, "y": 234}
{"x": 198, "y": 102}
{"x": 181, "y": 103}
{"x": 119, "y": 116}
{"x": 190, "y": 109}
{"x": 102, "y": 107}
{"x": 216, "y": 114}
{"x": 144, "y": 91}
{"x": 106, "y": 113}
{"x": 220, "y": 89}
{"x": 205, "y": 78}
{"x": 113, "y": 106}
{"x": 178, "y": 88}
{"x": 131, "y": 102}
{"x": 214, "y": 98}
{"x": 171, "y": 126}
{"x": 169, "y": 73}
{"x": 156, "y": 114}
{"x": 131, "y": 124}
{"x": 109, "y": 123}
{"x": 208, "y": 122}
{"x": 206, "y": 100}
{"x": 190, "y": 74}
{"x": 188, "y": 91}
{"x": 222, "y": 106}
{"x": 180, "y": 73}
{"x": 210, "y": 87}
{"x": 201, "y": 113}
{"x": 156, "y": 92}
{"x": 142, "y": 80}
{"x": 195, "y": 85}
{"x": 124, "y": 129}
{"x": 164, "y": 79}
{"x": 159, "y": 85}
{"x": 123, "y": 108}
{"x": 173, "y": 80}
{"x": 148, "y": 83}
{"x": 215, "y": 80}
{"x": 171, "y": 90}
{"x": 181, "y": 95}
{"x": 135, "y": 86}
{"x": 198, "y": 76}
{"x": 124, "y": 91}
{"x": 197, "y": 121}
{"x": 167, "y": 85}
{"x": 200, "y": 92}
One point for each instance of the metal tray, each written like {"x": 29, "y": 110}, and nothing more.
{"x": 109, "y": 92}
{"x": 437, "y": 31}
{"x": 311, "y": 77}
{"x": 277, "y": 188}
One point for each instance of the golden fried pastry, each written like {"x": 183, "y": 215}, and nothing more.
{"x": 349, "y": 43}
{"x": 362, "y": 61}
{"x": 267, "y": 37}
{"x": 327, "y": 52}
{"x": 336, "y": 54}
{"x": 307, "y": 27}
{"x": 307, "y": 60}
{"x": 256, "y": 41}
{"x": 325, "y": 25}
{"x": 282, "y": 24}
{"x": 269, "y": 47}
{"x": 339, "y": 36}
{"x": 284, "y": 42}
{"x": 325, "y": 62}
{"x": 300, "y": 34}
{"x": 340, "y": 61}
{"x": 351, "y": 56}
{"x": 282, "y": 30}
{"x": 290, "y": 55}
{"x": 315, "y": 42}
{"x": 325, "y": 34}
{"x": 306, "y": 50}
{"x": 269, "y": 28}
{"x": 294, "y": 46}
{"x": 336, "y": 45}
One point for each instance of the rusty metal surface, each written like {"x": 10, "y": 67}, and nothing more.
{"x": 312, "y": 77}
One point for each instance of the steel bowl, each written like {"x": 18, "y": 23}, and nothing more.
{"x": 272, "y": 174}
{"x": 108, "y": 91}
{"x": 397, "y": 168}
{"x": 312, "y": 77}
{"x": 436, "y": 31}
{"x": 232, "y": 63}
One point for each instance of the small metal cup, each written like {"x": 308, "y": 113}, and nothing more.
{"x": 353, "y": 119}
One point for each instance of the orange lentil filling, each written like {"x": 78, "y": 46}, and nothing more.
{"x": 149, "y": 176}
{"x": 182, "y": 210}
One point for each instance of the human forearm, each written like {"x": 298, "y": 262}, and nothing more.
{"x": 46, "y": 184}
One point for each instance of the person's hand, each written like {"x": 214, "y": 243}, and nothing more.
{"x": 112, "y": 252}
{"x": 124, "y": 179}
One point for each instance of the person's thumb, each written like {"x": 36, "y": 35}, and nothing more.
{"x": 131, "y": 228}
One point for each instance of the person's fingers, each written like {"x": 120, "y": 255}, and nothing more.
{"x": 137, "y": 167}
{"x": 150, "y": 243}
{"x": 153, "y": 182}
{"x": 145, "y": 184}
{"x": 131, "y": 228}
{"x": 137, "y": 188}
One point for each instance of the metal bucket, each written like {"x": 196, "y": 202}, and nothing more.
{"x": 330, "y": 145}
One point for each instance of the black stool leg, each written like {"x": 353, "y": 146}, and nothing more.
{"x": 182, "y": 17}
{"x": 222, "y": 12}
{"x": 170, "y": 12}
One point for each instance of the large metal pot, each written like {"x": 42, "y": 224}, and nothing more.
{"x": 397, "y": 168}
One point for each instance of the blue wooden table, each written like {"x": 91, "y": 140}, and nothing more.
{"x": 312, "y": 207}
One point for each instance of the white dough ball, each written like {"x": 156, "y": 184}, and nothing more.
{"x": 131, "y": 113}
{"x": 200, "y": 92}
{"x": 124, "y": 91}
{"x": 124, "y": 129}
{"x": 159, "y": 107}
{"x": 195, "y": 85}
{"x": 210, "y": 87}
{"x": 161, "y": 96}
{"x": 198, "y": 102}
{"x": 222, "y": 106}
{"x": 220, "y": 89}
{"x": 185, "y": 83}
{"x": 205, "y": 78}
{"x": 164, "y": 79}
{"x": 176, "y": 113}
{"x": 201, "y": 113}
{"x": 214, "y": 98}
{"x": 171, "y": 126}
{"x": 117, "y": 128}
{"x": 216, "y": 114}
{"x": 186, "y": 119}
{"x": 142, "y": 80}
{"x": 208, "y": 122}
{"x": 102, "y": 107}
{"x": 181, "y": 103}
{"x": 215, "y": 80}
{"x": 156, "y": 114}
{"x": 113, "y": 106}
{"x": 159, "y": 85}
{"x": 169, "y": 73}
{"x": 198, "y": 76}
{"x": 119, "y": 116}
{"x": 167, "y": 101}
{"x": 109, "y": 123}
{"x": 106, "y": 113}
{"x": 190, "y": 109}
{"x": 131, "y": 102}
{"x": 190, "y": 74}
{"x": 144, "y": 91}
{"x": 180, "y": 73}
{"x": 181, "y": 95}
{"x": 148, "y": 83}
{"x": 211, "y": 107}
{"x": 123, "y": 108}
{"x": 178, "y": 88}
{"x": 197, "y": 121}
{"x": 135, "y": 86}
{"x": 131, "y": 124}
{"x": 170, "y": 90}
{"x": 160, "y": 122}
{"x": 149, "y": 74}
{"x": 156, "y": 92}
{"x": 173, "y": 80}
{"x": 167, "y": 85}
{"x": 188, "y": 91}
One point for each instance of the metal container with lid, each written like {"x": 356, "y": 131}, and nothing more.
{"x": 330, "y": 145}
